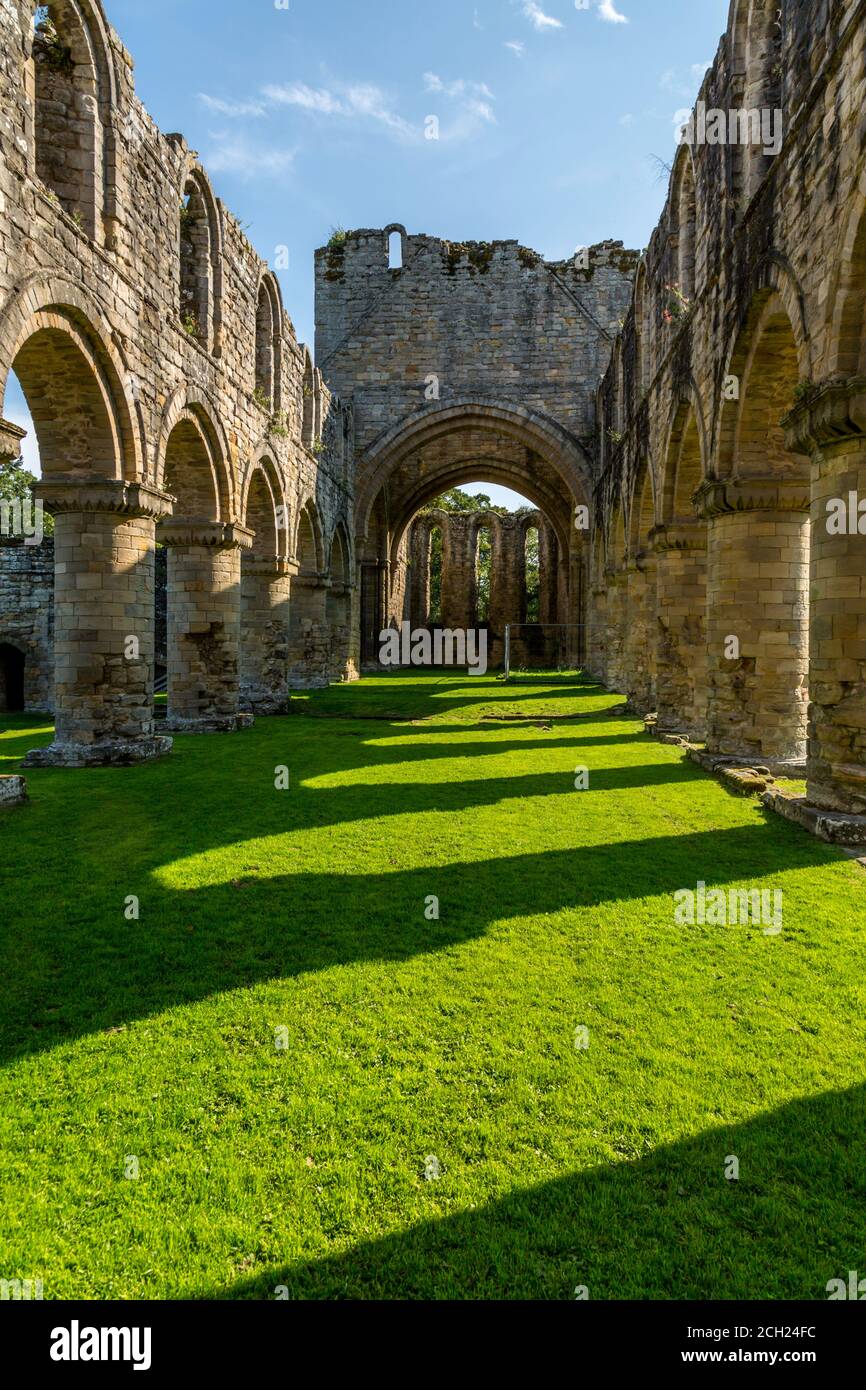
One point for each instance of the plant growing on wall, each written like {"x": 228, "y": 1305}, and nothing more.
{"x": 677, "y": 306}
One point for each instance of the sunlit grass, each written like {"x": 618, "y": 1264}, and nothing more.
{"x": 410, "y": 1037}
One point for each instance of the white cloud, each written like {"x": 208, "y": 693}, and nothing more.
{"x": 360, "y": 101}
{"x": 476, "y": 22}
{"x": 516, "y": 47}
{"x": 607, "y": 10}
{"x": 231, "y": 108}
{"x": 672, "y": 81}
{"x": 458, "y": 88}
{"x": 538, "y": 19}
{"x": 627, "y": 119}
{"x": 233, "y": 154}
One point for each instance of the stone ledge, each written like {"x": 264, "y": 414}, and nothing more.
{"x": 209, "y": 723}
{"x": 109, "y": 753}
{"x": 836, "y": 827}
{"x": 13, "y": 791}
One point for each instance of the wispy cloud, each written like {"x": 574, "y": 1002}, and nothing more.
{"x": 607, "y": 11}
{"x": 516, "y": 47}
{"x": 230, "y": 153}
{"x": 538, "y": 19}
{"x": 231, "y": 108}
{"x": 674, "y": 81}
{"x": 362, "y": 101}
{"x": 458, "y": 88}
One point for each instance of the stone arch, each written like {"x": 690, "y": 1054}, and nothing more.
{"x": 767, "y": 362}
{"x": 200, "y": 261}
{"x": 395, "y": 245}
{"x": 533, "y": 430}
{"x": 308, "y": 427}
{"x": 641, "y": 508}
{"x": 198, "y": 458}
{"x": 73, "y": 380}
{"x": 263, "y": 473}
{"x": 643, "y": 343}
{"x": 683, "y": 225}
{"x": 71, "y": 84}
{"x": 846, "y": 308}
{"x": 685, "y": 460}
{"x": 268, "y": 343}
{"x": 755, "y": 37}
{"x": 309, "y": 544}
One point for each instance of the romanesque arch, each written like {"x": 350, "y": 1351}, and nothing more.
{"x": 265, "y": 591}
{"x": 200, "y": 261}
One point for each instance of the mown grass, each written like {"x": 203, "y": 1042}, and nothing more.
{"x": 410, "y": 1039}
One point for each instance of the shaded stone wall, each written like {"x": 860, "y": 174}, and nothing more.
{"x": 734, "y": 411}
{"x": 27, "y": 617}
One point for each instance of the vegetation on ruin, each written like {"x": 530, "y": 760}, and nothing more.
{"x": 410, "y": 1039}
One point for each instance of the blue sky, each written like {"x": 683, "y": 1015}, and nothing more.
{"x": 312, "y": 116}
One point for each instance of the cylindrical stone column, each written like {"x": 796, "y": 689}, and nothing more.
{"x": 104, "y": 622}
{"x": 309, "y": 635}
{"x": 831, "y": 428}
{"x": 596, "y": 632}
{"x": 757, "y": 619}
{"x": 204, "y": 626}
{"x": 681, "y": 652}
{"x": 617, "y": 592}
{"x": 640, "y": 647}
{"x": 264, "y": 656}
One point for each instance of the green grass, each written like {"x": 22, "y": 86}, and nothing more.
{"x": 410, "y": 1038}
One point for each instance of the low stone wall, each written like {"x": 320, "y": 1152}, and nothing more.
{"x": 27, "y": 623}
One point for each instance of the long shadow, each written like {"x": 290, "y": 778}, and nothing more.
{"x": 80, "y": 968}
{"x": 669, "y": 1226}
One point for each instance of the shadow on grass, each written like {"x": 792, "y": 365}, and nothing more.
{"x": 667, "y": 1226}
{"x": 80, "y": 967}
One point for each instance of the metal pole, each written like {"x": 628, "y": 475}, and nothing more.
{"x": 507, "y": 650}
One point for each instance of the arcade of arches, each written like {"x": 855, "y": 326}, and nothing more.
{"x": 686, "y": 449}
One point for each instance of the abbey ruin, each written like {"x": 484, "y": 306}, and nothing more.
{"x": 685, "y": 421}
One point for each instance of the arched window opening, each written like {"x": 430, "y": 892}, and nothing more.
{"x": 12, "y": 663}
{"x": 309, "y": 416}
{"x": 435, "y": 589}
{"x": 685, "y": 215}
{"x": 532, "y": 570}
{"x": 265, "y": 334}
{"x": 395, "y": 251}
{"x": 483, "y": 573}
{"x": 196, "y": 269}
{"x": 67, "y": 125}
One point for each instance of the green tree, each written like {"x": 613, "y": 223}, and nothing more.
{"x": 15, "y": 486}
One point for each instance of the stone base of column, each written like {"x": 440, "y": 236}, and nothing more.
{"x": 107, "y": 753}
{"x": 209, "y": 723}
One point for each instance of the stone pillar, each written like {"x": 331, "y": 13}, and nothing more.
{"x": 419, "y": 550}
{"x": 757, "y": 618}
{"x": 204, "y": 625}
{"x": 640, "y": 643}
{"x": 596, "y": 632}
{"x": 681, "y": 598}
{"x": 104, "y": 622}
{"x": 615, "y": 609}
{"x": 458, "y": 571}
{"x": 338, "y": 613}
{"x": 830, "y": 426}
{"x": 502, "y": 609}
{"x": 309, "y": 640}
{"x": 265, "y": 594}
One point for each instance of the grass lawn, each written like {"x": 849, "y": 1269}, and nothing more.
{"x": 418, "y": 1047}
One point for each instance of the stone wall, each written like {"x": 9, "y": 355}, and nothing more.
{"x": 165, "y": 379}
{"x": 734, "y": 410}
{"x": 27, "y": 622}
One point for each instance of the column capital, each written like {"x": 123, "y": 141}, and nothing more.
{"x": 70, "y": 492}
{"x": 10, "y": 441}
{"x": 718, "y": 496}
{"x": 682, "y": 535}
{"x": 219, "y": 535}
{"x": 832, "y": 412}
{"x": 271, "y": 567}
